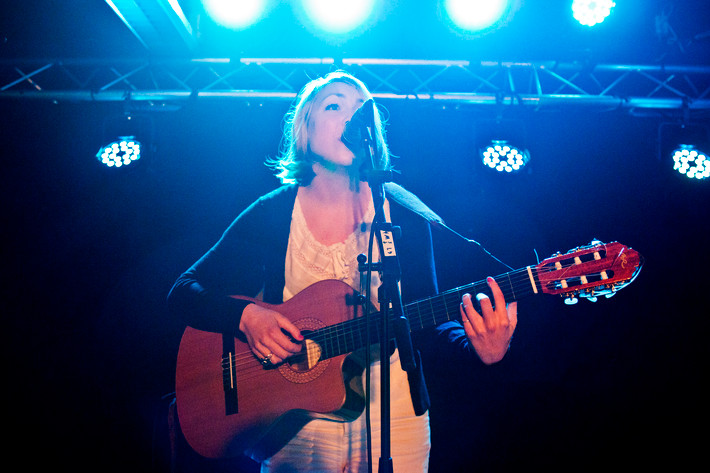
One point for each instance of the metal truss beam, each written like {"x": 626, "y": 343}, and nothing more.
{"x": 534, "y": 85}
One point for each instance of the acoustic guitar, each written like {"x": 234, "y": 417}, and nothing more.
{"x": 228, "y": 403}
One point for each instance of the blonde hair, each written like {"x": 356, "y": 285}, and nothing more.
{"x": 293, "y": 165}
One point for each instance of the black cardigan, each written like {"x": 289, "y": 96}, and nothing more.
{"x": 250, "y": 258}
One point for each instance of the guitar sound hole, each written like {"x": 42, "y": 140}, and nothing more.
{"x": 307, "y": 365}
{"x": 299, "y": 362}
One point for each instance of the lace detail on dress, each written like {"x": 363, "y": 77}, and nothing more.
{"x": 309, "y": 261}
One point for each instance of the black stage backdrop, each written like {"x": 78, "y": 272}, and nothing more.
{"x": 90, "y": 253}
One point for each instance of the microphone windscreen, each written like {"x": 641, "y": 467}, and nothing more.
{"x": 356, "y": 130}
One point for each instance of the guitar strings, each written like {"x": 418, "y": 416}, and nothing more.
{"x": 340, "y": 330}
{"x": 334, "y": 338}
{"x": 341, "y": 338}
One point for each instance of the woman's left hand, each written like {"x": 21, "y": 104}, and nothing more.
{"x": 489, "y": 332}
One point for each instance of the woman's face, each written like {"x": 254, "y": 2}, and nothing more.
{"x": 333, "y": 106}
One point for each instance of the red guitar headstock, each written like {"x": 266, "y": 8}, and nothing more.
{"x": 599, "y": 269}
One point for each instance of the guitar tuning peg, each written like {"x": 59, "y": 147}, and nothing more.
{"x": 571, "y": 300}
{"x": 611, "y": 294}
{"x": 592, "y": 298}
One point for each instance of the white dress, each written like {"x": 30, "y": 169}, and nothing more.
{"x": 332, "y": 446}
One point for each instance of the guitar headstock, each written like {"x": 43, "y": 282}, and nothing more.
{"x": 598, "y": 269}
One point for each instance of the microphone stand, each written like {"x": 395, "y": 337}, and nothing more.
{"x": 389, "y": 297}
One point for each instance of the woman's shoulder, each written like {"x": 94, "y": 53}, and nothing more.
{"x": 283, "y": 196}
{"x": 282, "y": 193}
{"x": 271, "y": 211}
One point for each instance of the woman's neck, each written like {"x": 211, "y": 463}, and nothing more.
{"x": 337, "y": 186}
{"x": 333, "y": 209}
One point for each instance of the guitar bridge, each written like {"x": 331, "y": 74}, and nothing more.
{"x": 229, "y": 376}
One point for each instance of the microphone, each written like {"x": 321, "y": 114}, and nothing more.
{"x": 358, "y": 132}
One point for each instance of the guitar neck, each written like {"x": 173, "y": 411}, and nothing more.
{"x": 444, "y": 307}
{"x": 354, "y": 334}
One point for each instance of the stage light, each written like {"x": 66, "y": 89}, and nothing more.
{"x": 504, "y": 157}
{"x": 685, "y": 144}
{"x": 691, "y": 162}
{"x": 475, "y": 15}
{"x": 591, "y": 12}
{"x": 121, "y": 152}
{"x": 338, "y": 16}
{"x": 130, "y": 139}
{"x": 235, "y": 14}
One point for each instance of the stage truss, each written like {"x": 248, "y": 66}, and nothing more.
{"x": 536, "y": 85}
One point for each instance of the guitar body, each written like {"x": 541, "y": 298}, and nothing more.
{"x": 267, "y": 406}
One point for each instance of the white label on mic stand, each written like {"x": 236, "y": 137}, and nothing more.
{"x": 387, "y": 243}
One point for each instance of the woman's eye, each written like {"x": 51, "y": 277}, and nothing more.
{"x": 332, "y": 106}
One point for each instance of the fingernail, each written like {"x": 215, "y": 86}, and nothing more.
{"x": 489, "y": 279}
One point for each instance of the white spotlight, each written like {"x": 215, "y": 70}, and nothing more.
{"x": 691, "y": 162}
{"x": 235, "y": 14}
{"x": 338, "y": 16}
{"x": 120, "y": 153}
{"x": 503, "y": 157}
{"x": 591, "y": 12}
{"x": 475, "y": 15}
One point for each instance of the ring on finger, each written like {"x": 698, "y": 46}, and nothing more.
{"x": 266, "y": 361}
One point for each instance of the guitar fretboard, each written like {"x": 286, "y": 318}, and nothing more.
{"x": 354, "y": 334}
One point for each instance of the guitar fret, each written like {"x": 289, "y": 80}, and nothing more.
{"x": 430, "y": 315}
{"x": 419, "y": 313}
{"x": 446, "y": 307}
{"x": 360, "y": 341}
{"x": 344, "y": 337}
{"x": 512, "y": 289}
{"x": 339, "y": 339}
{"x": 420, "y": 319}
{"x": 454, "y": 314}
{"x": 354, "y": 331}
{"x": 331, "y": 344}
{"x": 434, "y": 309}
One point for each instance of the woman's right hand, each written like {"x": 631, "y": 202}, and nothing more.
{"x": 270, "y": 335}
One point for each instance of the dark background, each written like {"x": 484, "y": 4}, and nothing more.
{"x": 90, "y": 253}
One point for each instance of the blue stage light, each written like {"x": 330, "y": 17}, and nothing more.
{"x": 338, "y": 16}
{"x": 503, "y": 157}
{"x": 120, "y": 153}
{"x": 475, "y": 15}
{"x": 691, "y": 162}
{"x": 235, "y": 14}
{"x": 591, "y": 12}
